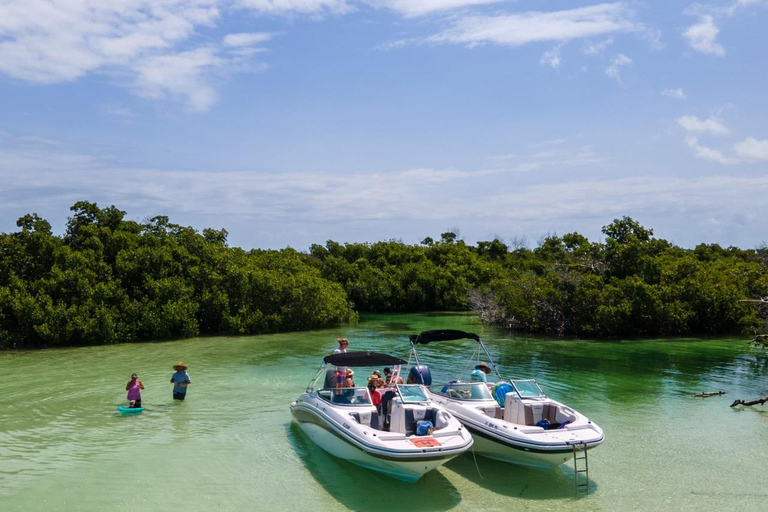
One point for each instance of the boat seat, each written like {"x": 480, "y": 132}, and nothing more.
{"x": 330, "y": 379}
{"x": 543, "y": 411}
{"x": 416, "y": 414}
{"x": 376, "y": 422}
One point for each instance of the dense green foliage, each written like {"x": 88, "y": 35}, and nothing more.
{"x": 630, "y": 285}
{"x": 109, "y": 280}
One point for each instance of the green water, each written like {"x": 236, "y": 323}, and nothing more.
{"x": 232, "y": 445}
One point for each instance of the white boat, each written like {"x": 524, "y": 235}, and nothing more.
{"x": 345, "y": 423}
{"x": 511, "y": 420}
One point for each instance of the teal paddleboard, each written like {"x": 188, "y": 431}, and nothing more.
{"x": 129, "y": 410}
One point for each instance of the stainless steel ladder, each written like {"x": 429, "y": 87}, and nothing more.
{"x": 582, "y": 488}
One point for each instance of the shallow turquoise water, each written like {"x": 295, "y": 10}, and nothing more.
{"x": 232, "y": 445}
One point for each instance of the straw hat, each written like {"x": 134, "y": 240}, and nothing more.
{"x": 179, "y": 367}
{"x": 484, "y": 367}
{"x": 343, "y": 341}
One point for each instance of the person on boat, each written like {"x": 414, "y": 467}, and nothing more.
{"x": 373, "y": 390}
{"x": 480, "y": 373}
{"x": 340, "y": 370}
{"x": 350, "y": 381}
{"x": 388, "y": 375}
{"x": 134, "y": 388}
{"x": 180, "y": 380}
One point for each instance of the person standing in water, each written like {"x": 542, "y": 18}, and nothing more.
{"x": 134, "y": 388}
{"x": 180, "y": 380}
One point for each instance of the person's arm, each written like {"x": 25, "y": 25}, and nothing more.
{"x": 171, "y": 379}
{"x": 141, "y": 385}
{"x": 128, "y": 386}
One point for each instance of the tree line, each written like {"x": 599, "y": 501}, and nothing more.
{"x": 109, "y": 280}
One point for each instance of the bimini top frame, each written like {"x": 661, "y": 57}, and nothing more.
{"x": 426, "y": 337}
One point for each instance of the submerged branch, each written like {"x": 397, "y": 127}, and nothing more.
{"x": 760, "y": 401}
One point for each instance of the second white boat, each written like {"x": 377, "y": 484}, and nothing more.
{"x": 511, "y": 420}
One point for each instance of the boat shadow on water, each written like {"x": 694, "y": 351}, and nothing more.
{"x": 518, "y": 481}
{"x": 362, "y": 489}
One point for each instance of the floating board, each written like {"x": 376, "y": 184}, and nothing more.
{"x": 129, "y": 410}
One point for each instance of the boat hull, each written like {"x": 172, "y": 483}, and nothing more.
{"x": 400, "y": 470}
{"x": 506, "y": 451}
{"x": 407, "y": 467}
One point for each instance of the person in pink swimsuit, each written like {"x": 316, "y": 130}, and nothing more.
{"x": 134, "y": 388}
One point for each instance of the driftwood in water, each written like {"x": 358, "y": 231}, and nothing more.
{"x": 760, "y": 340}
{"x": 710, "y": 393}
{"x": 760, "y": 401}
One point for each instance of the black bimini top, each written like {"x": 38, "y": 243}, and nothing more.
{"x": 363, "y": 359}
{"x": 441, "y": 335}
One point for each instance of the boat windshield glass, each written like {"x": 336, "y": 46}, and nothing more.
{"x": 527, "y": 388}
{"x": 412, "y": 393}
{"x": 464, "y": 391}
{"x": 346, "y": 396}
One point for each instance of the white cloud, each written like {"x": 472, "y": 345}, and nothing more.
{"x": 701, "y": 36}
{"x": 528, "y": 27}
{"x": 598, "y": 48}
{"x": 182, "y": 75}
{"x": 705, "y": 153}
{"x": 694, "y": 124}
{"x": 47, "y": 42}
{"x": 752, "y": 148}
{"x": 552, "y": 57}
{"x": 613, "y": 70}
{"x": 421, "y": 7}
{"x": 677, "y": 94}
{"x": 47, "y": 178}
{"x": 296, "y": 6}
{"x": 246, "y": 39}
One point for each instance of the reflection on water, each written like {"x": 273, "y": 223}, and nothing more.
{"x": 361, "y": 489}
{"x": 231, "y": 445}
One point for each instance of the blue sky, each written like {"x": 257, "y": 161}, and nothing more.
{"x": 291, "y": 122}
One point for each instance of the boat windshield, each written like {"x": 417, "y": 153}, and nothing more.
{"x": 527, "y": 388}
{"x": 346, "y": 396}
{"x": 464, "y": 391}
{"x": 412, "y": 393}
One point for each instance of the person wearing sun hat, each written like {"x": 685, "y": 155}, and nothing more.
{"x": 134, "y": 388}
{"x": 180, "y": 380}
{"x": 479, "y": 374}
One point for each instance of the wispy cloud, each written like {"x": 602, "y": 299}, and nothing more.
{"x": 149, "y": 44}
{"x": 282, "y": 7}
{"x": 694, "y": 124}
{"x": 246, "y": 39}
{"x": 705, "y": 153}
{"x": 752, "y": 149}
{"x": 677, "y": 94}
{"x": 523, "y": 28}
{"x": 47, "y": 178}
{"x": 422, "y": 7}
{"x": 613, "y": 70}
{"x": 552, "y": 57}
{"x": 702, "y": 36}
{"x": 598, "y": 48}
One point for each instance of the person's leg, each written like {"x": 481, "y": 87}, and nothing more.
{"x": 136, "y": 404}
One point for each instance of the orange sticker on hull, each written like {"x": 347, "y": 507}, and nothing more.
{"x": 425, "y": 443}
